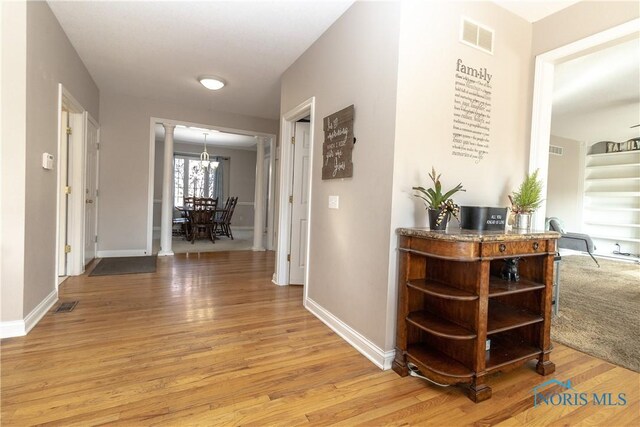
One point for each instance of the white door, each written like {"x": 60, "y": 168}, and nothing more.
{"x": 90, "y": 192}
{"x": 63, "y": 171}
{"x": 299, "y": 204}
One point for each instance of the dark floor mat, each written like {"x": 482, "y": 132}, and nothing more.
{"x": 125, "y": 265}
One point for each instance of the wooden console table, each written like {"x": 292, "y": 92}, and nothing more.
{"x": 458, "y": 321}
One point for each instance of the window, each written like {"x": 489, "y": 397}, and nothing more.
{"x": 191, "y": 179}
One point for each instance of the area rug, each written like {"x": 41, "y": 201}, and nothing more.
{"x": 600, "y": 309}
{"x": 125, "y": 265}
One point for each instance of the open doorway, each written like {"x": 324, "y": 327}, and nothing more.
{"x": 72, "y": 195}
{"x": 292, "y": 257}
{"x": 232, "y": 172}
{"x": 586, "y": 99}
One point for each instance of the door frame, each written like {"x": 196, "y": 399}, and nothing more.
{"x": 152, "y": 164}
{"x": 89, "y": 119}
{"x": 543, "y": 98}
{"x": 287, "y": 126}
{"x": 75, "y": 163}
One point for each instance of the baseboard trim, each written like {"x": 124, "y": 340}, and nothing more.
{"x": 14, "y": 328}
{"x": 121, "y": 253}
{"x": 38, "y": 313}
{"x": 20, "y": 328}
{"x": 375, "y": 354}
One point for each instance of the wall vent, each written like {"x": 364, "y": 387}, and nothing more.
{"x": 476, "y": 35}
{"x": 554, "y": 149}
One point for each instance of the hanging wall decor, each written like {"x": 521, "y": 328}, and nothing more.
{"x": 338, "y": 144}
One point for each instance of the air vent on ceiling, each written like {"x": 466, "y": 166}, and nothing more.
{"x": 476, "y": 35}
{"x": 554, "y": 149}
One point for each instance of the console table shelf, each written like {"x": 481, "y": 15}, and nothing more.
{"x": 458, "y": 320}
{"x": 439, "y": 326}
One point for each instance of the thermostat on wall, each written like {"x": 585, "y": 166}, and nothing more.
{"x": 47, "y": 161}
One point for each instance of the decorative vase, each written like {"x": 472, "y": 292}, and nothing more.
{"x": 522, "y": 222}
{"x": 433, "y": 218}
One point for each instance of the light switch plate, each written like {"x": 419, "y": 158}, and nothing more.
{"x": 334, "y": 202}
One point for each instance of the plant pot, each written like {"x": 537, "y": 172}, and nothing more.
{"x": 522, "y": 222}
{"x": 433, "y": 218}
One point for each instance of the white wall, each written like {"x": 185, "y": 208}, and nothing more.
{"x": 564, "y": 184}
{"x": 124, "y": 161}
{"x": 239, "y": 178}
{"x": 14, "y": 129}
{"x": 354, "y": 62}
{"x": 580, "y": 20}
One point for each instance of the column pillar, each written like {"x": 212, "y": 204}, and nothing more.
{"x": 166, "y": 223}
{"x": 258, "y": 203}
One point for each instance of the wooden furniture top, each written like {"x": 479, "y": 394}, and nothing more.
{"x": 460, "y": 235}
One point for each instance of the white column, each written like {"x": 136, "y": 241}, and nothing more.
{"x": 166, "y": 223}
{"x": 258, "y": 202}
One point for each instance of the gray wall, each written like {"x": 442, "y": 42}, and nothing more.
{"x": 124, "y": 161}
{"x": 564, "y": 198}
{"x": 429, "y": 50}
{"x": 354, "y": 62}
{"x": 50, "y": 59}
{"x": 239, "y": 178}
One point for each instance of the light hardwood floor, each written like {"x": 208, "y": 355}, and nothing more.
{"x": 209, "y": 340}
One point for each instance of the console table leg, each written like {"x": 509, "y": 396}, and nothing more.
{"x": 399, "y": 364}
{"x": 545, "y": 367}
{"x": 478, "y": 391}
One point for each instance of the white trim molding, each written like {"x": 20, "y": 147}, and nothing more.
{"x": 287, "y": 123}
{"x": 382, "y": 359}
{"x": 20, "y": 328}
{"x": 122, "y": 253}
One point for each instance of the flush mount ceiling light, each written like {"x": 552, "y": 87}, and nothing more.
{"x": 212, "y": 82}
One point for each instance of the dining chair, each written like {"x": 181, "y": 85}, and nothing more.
{"x": 222, "y": 225}
{"x": 201, "y": 221}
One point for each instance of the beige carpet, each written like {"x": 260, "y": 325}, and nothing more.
{"x": 600, "y": 309}
{"x": 243, "y": 241}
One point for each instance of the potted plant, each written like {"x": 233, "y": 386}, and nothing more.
{"x": 526, "y": 200}
{"x": 439, "y": 205}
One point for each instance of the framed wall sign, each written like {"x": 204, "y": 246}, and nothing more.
{"x": 338, "y": 144}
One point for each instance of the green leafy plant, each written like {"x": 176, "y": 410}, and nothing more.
{"x": 433, "y": 197}
{"x": 528, "y": 197}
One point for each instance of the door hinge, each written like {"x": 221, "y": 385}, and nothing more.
{"x": 289, "y": 258}
{"x": 293, "y": 140}
{"x": 67, "y": 249}
{"x": 96, "y": 192}
{"x": 97, "y": 145}
{"x": 96, "y": 239}
{"x": 67, "y": 189}
{"x": 69, "y": 130}
{"x": 290, "y": 199}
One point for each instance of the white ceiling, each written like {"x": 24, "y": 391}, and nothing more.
{"x": 158, "y": 49}
{"x": 597, "y": 96}
{"x": 191, "y": 135}
{"x": 534, "y": 11}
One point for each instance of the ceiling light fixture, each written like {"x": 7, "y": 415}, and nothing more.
{"x": 204, "y": 156}
{"x": 211, "y": 82}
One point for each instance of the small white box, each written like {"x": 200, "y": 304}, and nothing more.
{"x": 47, "y": 161}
